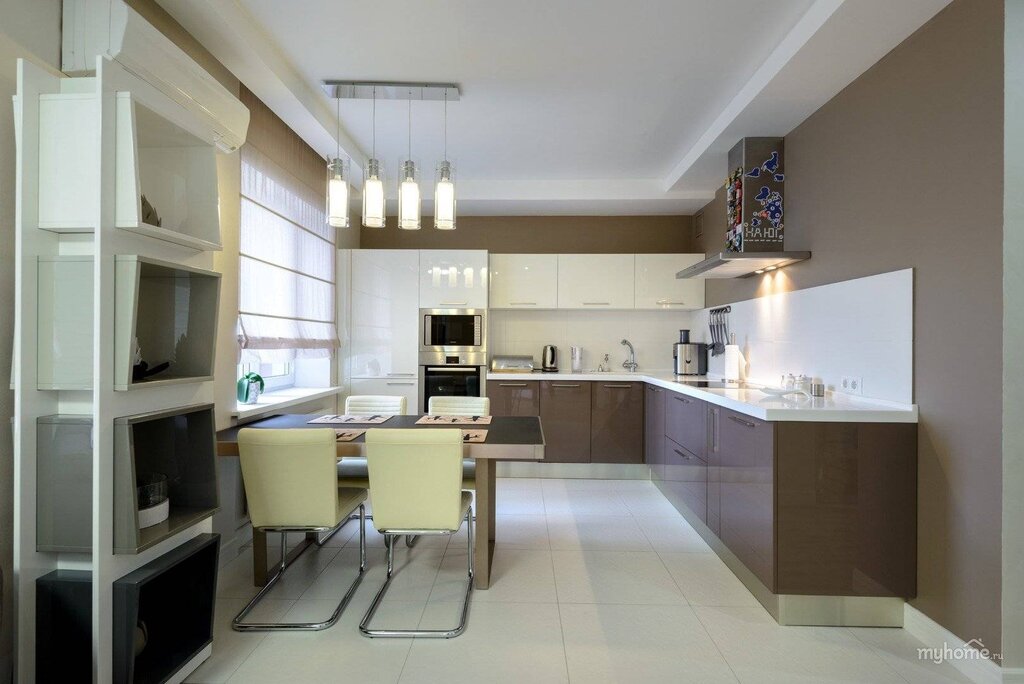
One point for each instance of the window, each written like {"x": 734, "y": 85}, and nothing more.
{"x": 286, "y": 289}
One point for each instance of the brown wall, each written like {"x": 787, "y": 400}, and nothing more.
{"x": 543, "y": 234}
{"x": 904, "y": 168}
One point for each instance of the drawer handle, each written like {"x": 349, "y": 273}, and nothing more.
{"x": 686, "y": 456}
{"x": 653, "y": 389}
{"x": 618, "y": 386}
{"x": 597, "y": 303}
{"x": 566, "y": 386}
{"x": 523, "y": 303}
{"x": 401, "y": 375}
{"x": 511, "y": 384}
{"x": 742, "y": 422}
{"x": 391, "y": 384}
{"x": 665, "y": 301}
{"x": 684, "y": 400}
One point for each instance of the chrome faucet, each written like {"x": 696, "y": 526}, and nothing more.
{"x": 630, "y": 363}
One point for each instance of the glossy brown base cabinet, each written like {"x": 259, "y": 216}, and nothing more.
{"x": 565, "y": 419}
{"x": 514, "y": 397}
{"x": 818, "y": 509}
{"x": 617, "y": 422}
{"x": 654, "y": 430}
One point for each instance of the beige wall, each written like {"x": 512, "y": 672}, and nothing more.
{"x": 905, "y": 168}
{"x": 30, "y": 30}
{"x": 542, "y": 234}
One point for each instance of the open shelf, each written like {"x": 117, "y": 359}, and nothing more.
{"x": 174, "y": 169}
{"x": 63, "y": 483}
{"x": 171, "y": 601}
{"x": 171, "y": 310}
{"x": 178, "y": 443}
{"x": 163, "y": 617}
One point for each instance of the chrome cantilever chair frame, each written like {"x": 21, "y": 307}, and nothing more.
{"x": 239, "y": 626}
{"x": 390, "y": 535}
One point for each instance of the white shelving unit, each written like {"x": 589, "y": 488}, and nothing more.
{"x": 90, "y": 276}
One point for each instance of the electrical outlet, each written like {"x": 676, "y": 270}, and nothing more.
{"x": 852, "y": 384}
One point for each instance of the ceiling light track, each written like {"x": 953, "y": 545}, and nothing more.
{"x": 392, "y": 90}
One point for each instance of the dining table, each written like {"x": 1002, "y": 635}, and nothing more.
{"x": 509, "y": 438}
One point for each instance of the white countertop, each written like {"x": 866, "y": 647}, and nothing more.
{"x": 834, "y": 407}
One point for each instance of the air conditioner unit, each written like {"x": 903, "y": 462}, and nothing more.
{"x": 112, "y": 29}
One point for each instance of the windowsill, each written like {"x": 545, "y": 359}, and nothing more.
{"x": 283, "y": 398}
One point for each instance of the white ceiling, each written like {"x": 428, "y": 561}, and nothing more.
{"x": 576, "y": 106}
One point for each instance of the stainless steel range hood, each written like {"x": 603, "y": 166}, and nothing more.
{"x": 741, "y": 264}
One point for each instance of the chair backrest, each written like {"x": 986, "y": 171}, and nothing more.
{"x": 290, "y": 476}
{"x": 415, "y": 478}
{"x": 360, "y": 405}
{"x": 459, "y": 406}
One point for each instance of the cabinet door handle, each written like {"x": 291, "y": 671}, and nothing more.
{"x": 565, "y": 386}
{"x": 453, "y": 303}
{"x": 523, "y": 303}
{"x": 742, "y": 422}
{"x": 511, "y": 384}
{"x": 685, "y": 456}
{"x": 401, "y": 375}
{"x": 617, "y": 386}
{"x": 665, "y": 301}
{"x": 684, "y": 400}
{"x": 392, "y": 384}
{"x": 597, "y": 303}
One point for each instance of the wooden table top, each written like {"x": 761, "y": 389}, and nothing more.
{"x": 508, "y": 437}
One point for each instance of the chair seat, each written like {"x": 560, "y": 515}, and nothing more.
{"x": 352, "y": 472}
{"x": 349, "y": 499}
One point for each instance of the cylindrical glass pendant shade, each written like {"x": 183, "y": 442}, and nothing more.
{"x": 408, "y": 198}
{"x": 373, "y": 195}
{"x": 337, "y": 193}
{"x": 444, "y": 197}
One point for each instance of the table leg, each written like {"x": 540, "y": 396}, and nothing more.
{"x": 260, "y": 575}
{"x": 484, "y": 542}
{"x": 259, "y": 558}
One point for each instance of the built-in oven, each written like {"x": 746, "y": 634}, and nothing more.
{"x": 450, "y": 381}
{"x": 452, "y": 331}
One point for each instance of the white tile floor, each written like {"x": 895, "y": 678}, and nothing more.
{"x": 594, "y": 581}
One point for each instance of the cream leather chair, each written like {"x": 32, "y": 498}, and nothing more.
{"x": 416, "y": 485}
{"x": 459, "y": 406}
{"x": 352, "y": 470}
{"x": 360, "y": 405}
{"x": 291, "y": 486}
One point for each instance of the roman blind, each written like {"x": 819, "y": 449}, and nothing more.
{"x": 286, "y": 247}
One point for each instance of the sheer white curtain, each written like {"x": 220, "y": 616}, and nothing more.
{"x": 287, "y": 266}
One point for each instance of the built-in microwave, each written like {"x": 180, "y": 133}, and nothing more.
{"x": 449, "y": 331}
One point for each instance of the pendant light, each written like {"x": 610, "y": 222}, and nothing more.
{"x": 444, "y": 184}
{"x": 337, "y": 183}
{"x": 373, "y": 180}
{"x": 408, "y": 187}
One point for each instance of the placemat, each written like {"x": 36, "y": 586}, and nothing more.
{"x": 454, "y": 420}
{"x": 338, "y": 420}
{"x": 348, "y": 435}
{"x": 474, "y": 436}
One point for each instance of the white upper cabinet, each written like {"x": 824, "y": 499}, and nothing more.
{"x": 524, "y": 281}
{"x": 453, "y": 279}
{"x": 595, "y": 281}
{"x": 385, "y": 313}
{"x": 656, "y": 286}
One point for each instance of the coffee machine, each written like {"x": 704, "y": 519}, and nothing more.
{"x": 689, "y": 358}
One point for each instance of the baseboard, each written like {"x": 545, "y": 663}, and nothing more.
{"x": 594, "y": 471}
{"x": 976, "y": 668}
{"x": 1013, "y": 675}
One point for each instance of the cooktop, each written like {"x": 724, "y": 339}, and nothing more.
{"x": 713, "y": 384}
